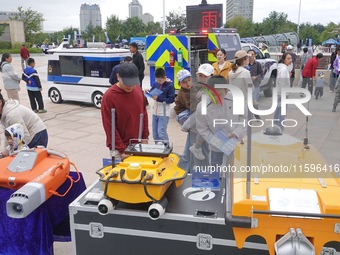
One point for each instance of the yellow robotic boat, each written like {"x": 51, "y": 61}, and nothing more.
{"x": 288, "y": 195}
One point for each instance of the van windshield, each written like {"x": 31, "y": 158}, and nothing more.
{"x": 230, "y": 42}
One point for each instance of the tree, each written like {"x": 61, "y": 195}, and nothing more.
{"x": 32, "y": 21}
{"x": 133, "y": 27}
{"x": 276, "y": 23}
{"x": 176, "y": 19}
{"x": 153, "y": 28}
{"x": 245, "y": 27}
{"x": 308, "y": 31}
{"x": 2, "y": 29}
{"x": 93, "y": 31}
{"x": 113, "y": 27}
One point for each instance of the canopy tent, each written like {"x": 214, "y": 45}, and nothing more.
{"x": 330, "y": 41}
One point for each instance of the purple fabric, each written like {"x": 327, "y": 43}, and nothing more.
{"x": 33, "y": 235}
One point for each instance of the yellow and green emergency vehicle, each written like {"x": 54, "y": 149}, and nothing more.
{"x": 174, "y": 52}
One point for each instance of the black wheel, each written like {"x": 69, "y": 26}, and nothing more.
{"x": 55, "y": 96}
{"x": 270, "y": 85}
{"x": 97, "y": 99}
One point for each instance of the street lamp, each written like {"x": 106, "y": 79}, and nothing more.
{"x": 163, "y": 17}
{"x": 298, "y": 26}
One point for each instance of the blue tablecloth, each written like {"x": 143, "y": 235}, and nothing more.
{"x": 35, "y": 234}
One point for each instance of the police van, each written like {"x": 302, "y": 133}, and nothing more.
{"x": 81, "y": 73}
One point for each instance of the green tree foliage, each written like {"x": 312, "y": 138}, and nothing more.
{"x": 176, "y": 19}
{"x": 2, "y": 29}
{"x": 133, "y": 27}
{"x": 277, "y": 22}
{"x": 309, "y": 31}
{"x": 113, "y": 27}
{"x": 245, "y": 27}
{"x": 93, "y": 31}
{"x": 153, "y": 28}
{"x": 32, "y": 22}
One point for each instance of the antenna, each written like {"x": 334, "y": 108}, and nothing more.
{"x": 113, "y": 133}
{"x": 204, "y": 2}
{"x": 305, "y": 139}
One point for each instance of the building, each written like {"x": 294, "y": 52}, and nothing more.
{"x": 147, "y": 17}
{"x": 14, "y": 31}
{"x": 135, "y": 9}
{"x": 90, "y": 14}
{"x": 242, "y": 8}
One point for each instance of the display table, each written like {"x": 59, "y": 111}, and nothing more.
{"x": 35, "y": 234}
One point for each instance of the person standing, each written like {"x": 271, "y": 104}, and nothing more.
{"x": 11, "y": 112}
{"x": 282, "y": 81}
{"x": 138, "y": 60}
{"x": 9, "y": 76}
{"x": 113, "y": 76}
{"x": 24, "y": 54}
{"x": 337, "y": 95}
{"x": 293, "y": 64}
{"x": 304, "y": 57}
{"x": 33, "y": 85}
{"x": 222, "y": 66}
{"x": 333, "y": 76}
{"x": 239, "y": 75}
{"x": 256, "y": 74}
{"x": 127, "y": 98}
{"x": 309, "y": 72}
{"x": 160, "y": 120}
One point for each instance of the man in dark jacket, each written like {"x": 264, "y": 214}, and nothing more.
{"x": 138, "y": 60}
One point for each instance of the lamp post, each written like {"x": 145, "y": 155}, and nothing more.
{"x": 298, "y": 26}
{"x": 163, "y": 17}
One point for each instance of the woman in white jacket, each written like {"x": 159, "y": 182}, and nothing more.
{"x": 239, "y": 76}
{"x": 217, "y": 134}
{"x": 282, "y": 80}
{"x": 9, "y": 76}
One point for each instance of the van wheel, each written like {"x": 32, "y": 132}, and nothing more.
{"x": 270, "y": 85}
{"x": 55, "y": 96}
{"x": 97, "y": 99}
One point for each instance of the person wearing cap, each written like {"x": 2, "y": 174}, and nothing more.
{"x": 292, "y": 65}
{"x": 265, "y": 51}
{"x": 320, "y": 83}
{"x": 113, "y": 76}
{"x": 256, "y": 73}
{"x": 12, "y": 112}
{"x": 24, "y": 54}
{"x": 239, "y": 76}
{"x": 127, "y": 98}
{"x": 282, "y": 81}
{"x": 213, "y": 133}
{"x": 166, "y": 94}
{"x": 199, "y": 148}
{"x": 222, "y": 66}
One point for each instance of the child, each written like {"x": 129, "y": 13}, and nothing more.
{"x": 185, "y": 109}
{"x": 159, "y": 122}
{"x": 320, "y": 83}
{"x": 337, "y": 95}
{"x": 30, "y": 76}
{"x": 15, "y": 140}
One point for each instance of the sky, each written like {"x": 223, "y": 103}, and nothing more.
{"x": 60, "y": 14}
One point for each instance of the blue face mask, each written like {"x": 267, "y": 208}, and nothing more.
{"x": 247, "y": 67}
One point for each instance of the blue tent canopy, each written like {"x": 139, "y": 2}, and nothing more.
{"x": 330, "y": 41}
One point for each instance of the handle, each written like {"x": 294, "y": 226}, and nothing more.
{"x": 122, "y": 172}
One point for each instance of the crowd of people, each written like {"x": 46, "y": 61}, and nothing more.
{"x": 126, "y": 79}
{"x": 23, "y": 127}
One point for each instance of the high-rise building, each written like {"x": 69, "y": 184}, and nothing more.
{"x": 146, "y": 18}
{"x": 135, "y": 9}
{"x": 90, "y": 14}
{"x": 242, "y": 8}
